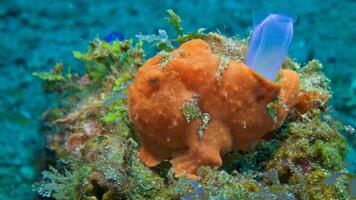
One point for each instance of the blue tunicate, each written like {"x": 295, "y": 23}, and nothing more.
{"x": 269, "y": 44}
{"x": 114, "y": 35}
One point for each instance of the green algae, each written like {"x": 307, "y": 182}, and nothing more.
{"x": 191, "y": 111}
{"x": 273, "y": 106}
{"x": 313, "y": 79}
{"x": 292, "y": 164}
{"x": 165, "y": 58}
{"x": 314, "y": 140}
{"x": 116, "y": 104}
{"x": 56, "y": 74}
{"x": 222, "y": 66}
{"x": 175, "y": 21}
{"x": 62, "y": 185}
{"x": 102, "y": 57}
{"x": 272, "y": 111}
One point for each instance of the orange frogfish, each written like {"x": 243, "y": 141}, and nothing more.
{"x": 230, "y": 113}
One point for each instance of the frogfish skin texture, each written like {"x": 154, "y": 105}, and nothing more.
{"x": 237, "y": 104}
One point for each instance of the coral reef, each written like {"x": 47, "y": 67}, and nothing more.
{"x": 89, "y": 130}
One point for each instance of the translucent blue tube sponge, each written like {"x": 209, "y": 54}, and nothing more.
{"x": 269, "y": 44}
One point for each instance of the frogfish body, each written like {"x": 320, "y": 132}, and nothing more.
{"x": 236, "y": 106}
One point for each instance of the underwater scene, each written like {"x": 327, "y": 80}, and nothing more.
{"x": 177, "y": 100}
